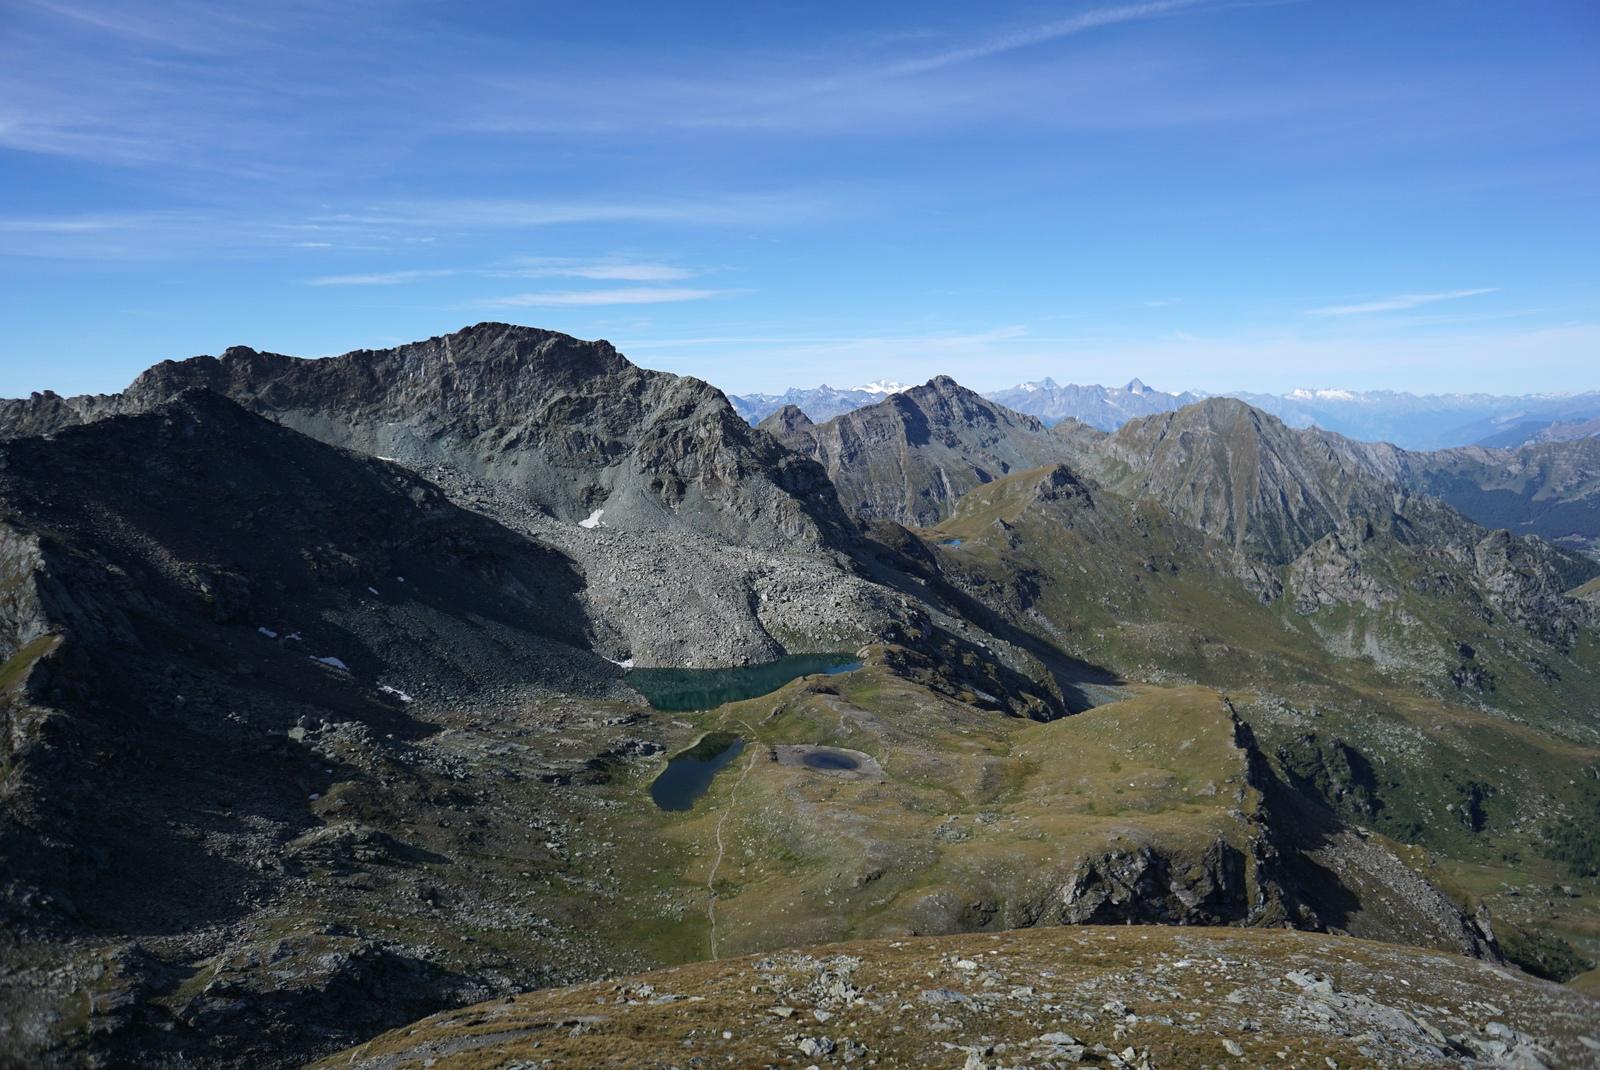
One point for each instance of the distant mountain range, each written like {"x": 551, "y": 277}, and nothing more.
{"x": 820, "y": 403}
{"x": 1436, "y": 421}
{"x": 1105, "y": 407}
{"x": 1414, "y": 421}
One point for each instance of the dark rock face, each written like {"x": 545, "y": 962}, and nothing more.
{"x": 198, "y": 508}
{"x": 911, "y": 456}
{"x": 1142, "y": 886}
{"x": 571, "y": 424}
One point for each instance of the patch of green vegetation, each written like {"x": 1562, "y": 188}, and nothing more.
{"x": 16, "y": 667}
{"x": 1541, "y": 953}
{"x": 1575, "y": 841}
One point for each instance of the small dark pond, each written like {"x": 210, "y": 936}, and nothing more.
{"x": 689, "y": 774}
{"x": 683, "y": 690}
{"x": 952, "y": 543}
{"x": 829, "y": 759}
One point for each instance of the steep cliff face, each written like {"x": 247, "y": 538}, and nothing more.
{"x": 910, "y": 457}
{"x": 573, "y": 425}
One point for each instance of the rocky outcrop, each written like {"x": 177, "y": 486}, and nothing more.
{"x": 1330, "y": 572}
{"x": 704, "y": 541}
{"x": 1144, "y": 886}
{"x": 23, "y": 619}
{"x": 1527, "y": 580}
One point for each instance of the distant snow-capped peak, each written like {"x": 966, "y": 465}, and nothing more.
{"x": 882, "y": 386}
{"x": 1302, "y": 394}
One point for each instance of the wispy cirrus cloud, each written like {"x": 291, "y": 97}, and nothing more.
{"x": 638, "y": 295}
{"x": 604, "y": 270}
{"x": 521, "y": 268}
{"x": 84, "y": 224}
{"x": 136, "y": 85}
{"x": 385, "y": 226}
{"x": 1399, "y": 302}
{"x": 857, "y": 88}
{"x": 382, "y": 278}
{"x": 1043, "y": 33}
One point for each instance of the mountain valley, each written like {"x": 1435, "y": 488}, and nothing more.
{"x": 316, "y": 703}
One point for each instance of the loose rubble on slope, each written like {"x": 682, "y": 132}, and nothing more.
{"x": 1130, "y": 997}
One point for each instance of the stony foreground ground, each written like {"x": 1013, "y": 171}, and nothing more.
{"x": 1123, "y": 996}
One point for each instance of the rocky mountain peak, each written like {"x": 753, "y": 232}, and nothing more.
{"x": 1242, "y": 475}
{"x": 946, "y": 402}
{"x": 792, "y": 427}
{"x": 570, "y": 424}
{"x": 912, "y": 455}
{"x": 790, "y": 416}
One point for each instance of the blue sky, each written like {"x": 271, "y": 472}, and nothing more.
{"x": 1218, "y": 194}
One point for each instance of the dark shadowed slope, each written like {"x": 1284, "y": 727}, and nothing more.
{"x": 186, "y": 595}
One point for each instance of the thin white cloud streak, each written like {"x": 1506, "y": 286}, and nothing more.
{"x": 72, "y": 224}
{"x": 624, "y": 272}
{"x": 736, "y": 209}
{"x": 200, "y": 28}
{"x": 388, "y": 225}
{"x": 386, "y": 278}
{"x": 640, "y": 295}
{"x": 603, "y": 271}
{"x": 1128, "y": 89}
{"x": 1042, "y": 34}
{"x": 600, "y": 271}
{"x": 1399, "y": 303}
